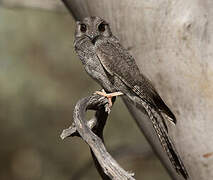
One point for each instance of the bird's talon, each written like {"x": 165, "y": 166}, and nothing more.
{"x": 109, "y": 96}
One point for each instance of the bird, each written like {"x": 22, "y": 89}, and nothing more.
{"x": 115, "y": 69}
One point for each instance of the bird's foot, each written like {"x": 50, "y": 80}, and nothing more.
{"x": 108, "y": 95}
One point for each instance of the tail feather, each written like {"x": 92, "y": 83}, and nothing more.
{"x": 157, "y": 121}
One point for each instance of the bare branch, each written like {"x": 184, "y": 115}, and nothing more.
{"x": 120, "y": 152}
{"x": 107, "y": 167}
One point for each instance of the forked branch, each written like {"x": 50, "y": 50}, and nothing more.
{"x": 92, "y": 133}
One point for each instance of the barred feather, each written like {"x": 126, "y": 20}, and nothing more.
{"x": 165, "y": 141}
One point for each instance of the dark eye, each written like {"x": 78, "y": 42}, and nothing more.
{"x": 83, "y": 28}
{"x": 102, "y": 27}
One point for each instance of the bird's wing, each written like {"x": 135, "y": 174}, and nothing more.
{"x": 117, "y": 61}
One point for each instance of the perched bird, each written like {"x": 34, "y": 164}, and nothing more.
{"x": 111, "y": 65}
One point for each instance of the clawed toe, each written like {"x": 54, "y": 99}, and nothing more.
{"x": 108, "y": 95}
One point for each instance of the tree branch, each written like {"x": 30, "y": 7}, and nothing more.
{"x": 92, "y": 133}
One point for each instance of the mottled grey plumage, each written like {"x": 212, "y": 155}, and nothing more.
{"x": 106, "y": 61}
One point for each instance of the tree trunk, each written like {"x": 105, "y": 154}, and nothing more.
{"x": 172, "y": 44}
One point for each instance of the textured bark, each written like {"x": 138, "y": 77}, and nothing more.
{"x": 92, "y": 133}
{"x": 172, "y": 44}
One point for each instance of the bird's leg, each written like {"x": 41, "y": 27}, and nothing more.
{"x": 108, "y": 95}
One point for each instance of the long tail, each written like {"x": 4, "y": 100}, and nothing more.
{"x": 157, "y": 121}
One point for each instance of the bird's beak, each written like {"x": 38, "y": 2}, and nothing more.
{"x": 94, "y": 39}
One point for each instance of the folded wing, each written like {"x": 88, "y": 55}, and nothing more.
{"x": 117, "y": 61}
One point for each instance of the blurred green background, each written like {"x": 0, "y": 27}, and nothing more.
{"x": 41, "y": 79}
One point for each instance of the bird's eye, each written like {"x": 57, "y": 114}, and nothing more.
{"x": 83, "y": 28}
{"x": 102, "y": 27}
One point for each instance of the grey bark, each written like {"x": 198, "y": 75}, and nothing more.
{"x": 172, "y": 44}
{"x": 92, "y": 133}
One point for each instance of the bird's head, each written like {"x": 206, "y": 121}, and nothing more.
{"x": 92, "y": 27}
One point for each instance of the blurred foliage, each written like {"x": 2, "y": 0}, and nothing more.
{"x": 41, "y": 79}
